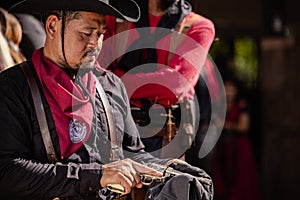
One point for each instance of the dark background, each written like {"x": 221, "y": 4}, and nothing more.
{"x": 272, "y": 81}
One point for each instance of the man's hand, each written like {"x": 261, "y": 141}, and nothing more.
{"x": 175, "y": 161}
{"x": 125, "y": 173}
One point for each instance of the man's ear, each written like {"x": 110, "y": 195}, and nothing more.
{"x": 52, "y": 26}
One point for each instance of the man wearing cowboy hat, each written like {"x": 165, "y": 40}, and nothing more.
{"x": 92, "y": 141}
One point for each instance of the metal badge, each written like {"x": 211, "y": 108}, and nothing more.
{"x": 77, "y": 131}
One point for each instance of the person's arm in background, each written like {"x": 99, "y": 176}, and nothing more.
{"x": 182, "y": 73}
{"x": 5, "y": 57}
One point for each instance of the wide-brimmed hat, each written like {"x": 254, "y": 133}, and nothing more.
{"x": 124, "y": 9}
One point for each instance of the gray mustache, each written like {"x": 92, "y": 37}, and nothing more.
{"x": 93, "y": 52}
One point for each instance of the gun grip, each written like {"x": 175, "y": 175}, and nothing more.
{"x": 117, "y": 188}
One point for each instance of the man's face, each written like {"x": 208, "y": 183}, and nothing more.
{"x": 231, "y": 91}
{"x": 83, "y": 39}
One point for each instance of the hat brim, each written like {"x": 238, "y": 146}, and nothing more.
{"x": 124, "y": 9}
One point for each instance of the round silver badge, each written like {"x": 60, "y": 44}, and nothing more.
{"x": 77, "y": 131}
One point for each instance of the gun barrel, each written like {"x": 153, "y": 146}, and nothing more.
{"x": 174, "y": 172}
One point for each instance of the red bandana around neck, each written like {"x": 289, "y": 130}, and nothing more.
{"x": 70, "y": 106}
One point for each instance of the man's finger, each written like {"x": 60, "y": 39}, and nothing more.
{"x": 126, "y": 183}
{"x": 136, "y": 177}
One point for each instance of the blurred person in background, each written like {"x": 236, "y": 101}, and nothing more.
{"x": 12, "y": 30}
{"x": 33, "y": 32}
{"x": 234, "y": 168}
{"x": 162, "y": 105}
{"x": 33, "y": 36}
{"x": 5, "y": 57}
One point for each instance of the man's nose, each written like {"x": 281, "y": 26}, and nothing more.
{"x": 96, "y": 40}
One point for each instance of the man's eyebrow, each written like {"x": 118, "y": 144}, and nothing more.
{"x": 90, "y": 27}
{"x": 94, "y": 28}
{"x": 100, "y": 21}
{"x": 102, "y": 24}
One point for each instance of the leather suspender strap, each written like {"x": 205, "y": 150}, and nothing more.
{"x": 40, "y": 112}
{"x": 115, "y": 150}
{"x": 42, "y": 121}
{"x": 179, "y": 34}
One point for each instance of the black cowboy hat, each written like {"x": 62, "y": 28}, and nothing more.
{"x": 124, "y": 9}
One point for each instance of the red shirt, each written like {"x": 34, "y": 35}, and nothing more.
{"x": 175, "y": 78}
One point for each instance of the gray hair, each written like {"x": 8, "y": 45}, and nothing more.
{"x": 67, "y": 15}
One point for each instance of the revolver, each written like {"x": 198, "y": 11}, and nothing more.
{"x": 147, "y": 180}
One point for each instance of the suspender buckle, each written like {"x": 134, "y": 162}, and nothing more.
{"x": 115, "y": 153}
